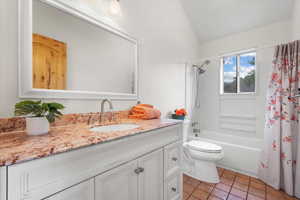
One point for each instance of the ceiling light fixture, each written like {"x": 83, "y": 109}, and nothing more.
{"x": 115, "y": 7}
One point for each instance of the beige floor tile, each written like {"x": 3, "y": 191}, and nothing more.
{"x": 232, "y": 197}
{"x": 256, "y": 180}
{"x": 257, "y": 192}
{"x": 219, "y": 193}
{"x": 192, "y": 198}
{"x": 205, "y": 187}
{"x": 242, "y": 180}
{"x": 228, "y": 176}
{"x": 185, "y": 195}
{"x": 223, "y": 187}
{"x": 226, "y": 181}
{"x": 233, "y": 186}
{"x": 260, "y": 186}
{"x": 193, "y": 182}
{"x": 242, "y": 176}
{"x": 240, "y": 186}
{"x": 213, "y": 198}
{"x": 226, "y": 171}
{"x": 200, "y": 194}
{"x": 239, "y": 193}
{"x": 252, "y": 197}
{"x": 188, "y": 188}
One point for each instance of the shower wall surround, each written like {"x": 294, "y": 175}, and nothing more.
{"x": 244, "y": 109}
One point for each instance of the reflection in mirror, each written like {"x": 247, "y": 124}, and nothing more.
{"x": 70, "y": 53}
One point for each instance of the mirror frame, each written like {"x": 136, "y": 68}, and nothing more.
{"x": 26, "y": 89}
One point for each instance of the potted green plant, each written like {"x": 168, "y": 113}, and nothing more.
{"x": 39, "y": 115}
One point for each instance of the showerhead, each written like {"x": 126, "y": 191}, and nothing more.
{"x": 200, "y": 68}
{"x": 207, "y": 62}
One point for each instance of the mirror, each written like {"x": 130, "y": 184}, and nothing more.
{"x": 67, "y": 46}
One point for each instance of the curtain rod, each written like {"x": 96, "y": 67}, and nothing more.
{"x": 217, "y": 57}
{"x": 297, "y": 96}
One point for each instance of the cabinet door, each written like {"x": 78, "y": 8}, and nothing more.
{"x": 82, "y": 191}
{"x": 118, "y": 183}
{"x": 151, "y": 179}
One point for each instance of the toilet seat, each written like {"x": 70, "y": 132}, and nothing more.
{"x": 200, "y": 155}
{"x": 204, "y": 146}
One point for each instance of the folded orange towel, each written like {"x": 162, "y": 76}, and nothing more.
{"x": 144, "y": 111}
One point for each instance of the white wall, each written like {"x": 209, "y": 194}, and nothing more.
{"x": 165, "y": 35}
{"x": 296, "y": 21}
{"x": 247, "y": 111}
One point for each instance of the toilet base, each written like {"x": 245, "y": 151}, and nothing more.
{"x": 204, "y": 171}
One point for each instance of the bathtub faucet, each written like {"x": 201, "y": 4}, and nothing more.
{"x": 194, "y": 124}
{"x": 196, "y": 131}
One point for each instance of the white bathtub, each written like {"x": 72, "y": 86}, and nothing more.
{"x": 241, "y": 153}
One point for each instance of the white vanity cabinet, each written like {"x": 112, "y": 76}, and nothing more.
{"x": 3, "y": 183}
{"x": 140, "y": 167}
{"x": 82, "y": 191}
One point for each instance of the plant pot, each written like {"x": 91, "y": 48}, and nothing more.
{"x": 179, "y": 117}
{"x": 37, "y": 125}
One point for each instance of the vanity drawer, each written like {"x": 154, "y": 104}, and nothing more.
{"x": 172, "y": 156}
{"x": 173, "y": 187}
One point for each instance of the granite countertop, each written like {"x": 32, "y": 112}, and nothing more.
{"x": 17, "y": 147}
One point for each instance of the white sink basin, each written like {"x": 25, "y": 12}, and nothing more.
{"x": 114, "y": 127}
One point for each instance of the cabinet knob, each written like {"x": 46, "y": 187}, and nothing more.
{"x": 173, "y": 189}
{"x": 139, "y": 170}
{"x": 174, "y": 159}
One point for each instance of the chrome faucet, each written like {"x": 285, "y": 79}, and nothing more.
{"x": 102, "y": 108}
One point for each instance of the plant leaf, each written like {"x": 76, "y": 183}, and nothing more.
{"x": 28, "y": 108}
{"x": 39, "y": 109}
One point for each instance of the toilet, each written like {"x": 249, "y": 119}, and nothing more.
{"x": 200, "y": 157}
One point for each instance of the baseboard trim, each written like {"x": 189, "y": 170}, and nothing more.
{"x": 237, "y": 170}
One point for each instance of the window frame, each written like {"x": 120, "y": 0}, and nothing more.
{"x": 237, "y": 54}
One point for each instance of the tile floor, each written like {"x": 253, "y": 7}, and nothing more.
{"x": 233, "y": 186}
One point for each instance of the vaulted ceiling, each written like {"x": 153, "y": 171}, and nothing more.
{"x": 213, "y": 19}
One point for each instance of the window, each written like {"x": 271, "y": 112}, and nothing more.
{"x": 238, "y": 73}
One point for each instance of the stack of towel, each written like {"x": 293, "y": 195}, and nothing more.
{"x": 144, "y": 111}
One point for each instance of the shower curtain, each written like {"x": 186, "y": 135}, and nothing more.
{"x": 280, "y": 160}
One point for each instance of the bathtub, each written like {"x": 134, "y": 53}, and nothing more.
{"x": 241, "y": 153}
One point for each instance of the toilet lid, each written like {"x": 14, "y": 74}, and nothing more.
{"x": 204, "y": 146}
